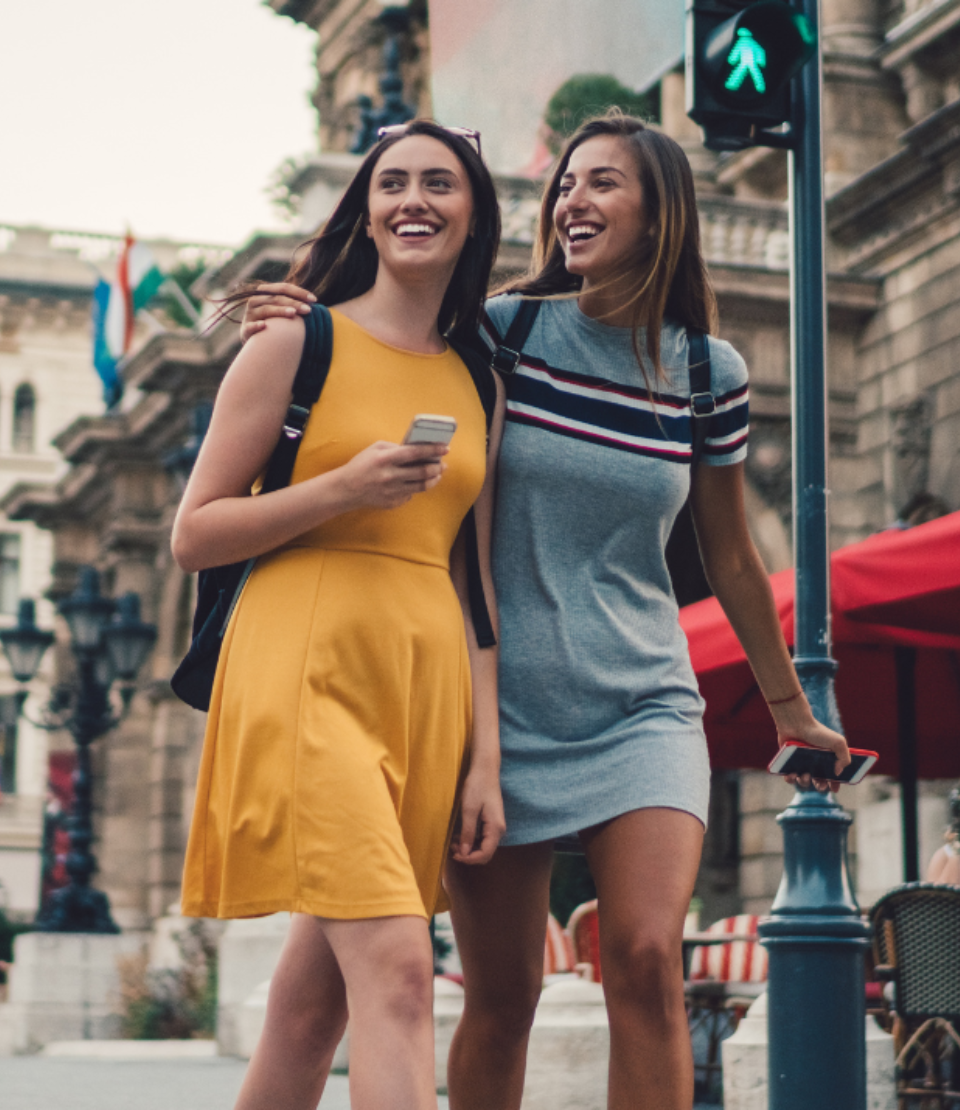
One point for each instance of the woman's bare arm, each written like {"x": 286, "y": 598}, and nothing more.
{"x": 481, "y": 805}
{"x": 220, "y": 522}
{"x": 738, "y": 578}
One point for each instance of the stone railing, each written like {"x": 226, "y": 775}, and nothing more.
{"x": 744, "y": 234}
{"x": 99, "y": 248}
{"x": 733, "y": 232}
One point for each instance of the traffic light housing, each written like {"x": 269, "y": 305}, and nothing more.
{"x": 741, "y": 58}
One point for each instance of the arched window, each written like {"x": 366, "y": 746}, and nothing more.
{"x": 24, "y": 418}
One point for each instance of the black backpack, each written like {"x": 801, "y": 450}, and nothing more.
{"x": 219, "y": 588}
{"x": 683, "y": 555}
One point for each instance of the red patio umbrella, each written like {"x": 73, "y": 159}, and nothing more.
{"x": 898, "y": 688}
{"x": 910, "y": 578}
{"x": 739, "y": 728}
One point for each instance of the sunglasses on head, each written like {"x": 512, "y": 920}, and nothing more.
{"x": 467, "y": 133}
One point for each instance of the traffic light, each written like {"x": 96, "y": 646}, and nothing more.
{"x": 741, "y": 57}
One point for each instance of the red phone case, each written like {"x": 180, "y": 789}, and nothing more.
{"x": 800, "y": 744}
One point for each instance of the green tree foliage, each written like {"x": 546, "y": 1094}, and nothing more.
{"x": 9, "y": 931}
{"x": 591, "y": 94}
{"x": 278, "y": 191}
{"x": 184, "y": 274}
{"x": 172, "y": 1004}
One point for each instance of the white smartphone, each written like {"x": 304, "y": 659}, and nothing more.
{"x": 427, "y": 428}
{"x": 796, "y": 758}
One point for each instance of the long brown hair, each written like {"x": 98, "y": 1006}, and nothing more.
{"x": 670, "y": 279}
{"x": 341, "y": 262}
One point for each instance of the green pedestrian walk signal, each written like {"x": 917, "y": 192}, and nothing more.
{"x": 741, "y": 58}
{"x": 749, "y": 60}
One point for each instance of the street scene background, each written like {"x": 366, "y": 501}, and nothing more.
{"x": 195, "y": 146}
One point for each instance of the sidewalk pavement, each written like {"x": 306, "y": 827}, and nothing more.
{"x": 78, "y": 1083}
{"x": 59, "y": 1083}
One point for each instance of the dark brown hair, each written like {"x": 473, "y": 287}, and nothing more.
{"x": 671, "y": 278}
{"x": 341, "y": 262}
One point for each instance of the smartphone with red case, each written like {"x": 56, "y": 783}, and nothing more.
{"x": 797, "y": 758}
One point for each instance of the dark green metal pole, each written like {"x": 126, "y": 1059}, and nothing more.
{"x": 815, "y": 937}
{"x": 905, "y": 659}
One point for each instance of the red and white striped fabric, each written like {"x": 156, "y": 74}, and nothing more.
{"x": 584, "y": 930}
{"x": 558, "y": 951}
{"x": 741, "y": 961}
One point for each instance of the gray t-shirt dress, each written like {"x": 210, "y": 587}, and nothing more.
{"x": 599, "y": 708}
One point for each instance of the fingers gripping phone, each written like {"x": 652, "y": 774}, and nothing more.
{"x": 427, "y": 428}
{"x": 797, "y": 758}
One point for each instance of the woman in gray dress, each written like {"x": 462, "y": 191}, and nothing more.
{"x": 601, "y": 719}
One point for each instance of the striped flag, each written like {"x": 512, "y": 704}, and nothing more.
{"x": 115, "y": 306}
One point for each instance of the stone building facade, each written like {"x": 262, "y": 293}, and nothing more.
{"x": 350, "y": 42}
{"x": 47, "y": 382}
{"x": 892, "y": 157}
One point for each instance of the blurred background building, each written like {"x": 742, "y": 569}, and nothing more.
{"x": 106, "y": 492}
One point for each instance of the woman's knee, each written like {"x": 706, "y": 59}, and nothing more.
{"x": 407, "y": 988}
{"x": 312, "y": 1020}
{"x": 504, "y": 1005}
{"x": 643, "y": 968}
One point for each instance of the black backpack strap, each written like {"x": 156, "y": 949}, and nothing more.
{"x": 702, "y": 403}
{"x": 311, "y": 374}
{"x": 486, "y": 386}
{"x": 506, "y": 358}
{"x": 307, "y": 384}
{"x": 482, "y": 377}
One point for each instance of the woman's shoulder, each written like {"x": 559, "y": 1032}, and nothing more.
{"x": 500, "y": 310}
{"x": 727, "y": 366}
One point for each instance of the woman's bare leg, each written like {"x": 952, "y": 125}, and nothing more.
{"x": 387, "y": 966}
{"x": 306, "y": 1016}
{"x": 644, "y": 864}
{"x": 499, "y": 916}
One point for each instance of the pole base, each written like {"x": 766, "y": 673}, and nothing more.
{"x": 77, "y": 909}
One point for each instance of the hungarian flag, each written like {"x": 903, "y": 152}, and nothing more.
{"x": 115, "y": 306}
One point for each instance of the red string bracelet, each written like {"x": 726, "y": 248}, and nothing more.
{"x": 783, "y": 701}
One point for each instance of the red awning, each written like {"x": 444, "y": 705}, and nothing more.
{"x": 910, "y": 579}
{"x": 739, "y": 729}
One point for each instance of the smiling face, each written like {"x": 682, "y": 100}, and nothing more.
{"x": 420, "y": 207}
{"x": 599, "y": 213}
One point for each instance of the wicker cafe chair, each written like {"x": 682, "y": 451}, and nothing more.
{"x": 916, "y": 945}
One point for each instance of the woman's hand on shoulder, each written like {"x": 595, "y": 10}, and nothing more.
{"x": 482, "y": 821}
{"x": 274, "y": 299}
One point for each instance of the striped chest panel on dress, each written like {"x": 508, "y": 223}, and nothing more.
{"x": 612, "y": 414}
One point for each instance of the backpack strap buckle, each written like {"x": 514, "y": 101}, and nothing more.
{"x": 505, "y": 360}
{"x": 702, "y": 404}
{"x": 296, "y": 421}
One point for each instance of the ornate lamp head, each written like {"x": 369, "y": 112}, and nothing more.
{"x": 86, "y": 610}
{"x": 25, "y": 644}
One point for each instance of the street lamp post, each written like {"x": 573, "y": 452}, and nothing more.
{"x": 110, "y": 643}
{"x": 815, "y": 937}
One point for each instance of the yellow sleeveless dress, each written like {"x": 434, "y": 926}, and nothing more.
{"x": 342, "y": 704}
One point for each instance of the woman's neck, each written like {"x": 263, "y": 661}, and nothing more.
{"x": 402, "y": 314}
{"x": 610, "y": 302}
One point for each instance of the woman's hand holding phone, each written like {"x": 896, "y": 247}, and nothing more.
{"x": 388, "y": 475}
{"x": 795, "y": 721}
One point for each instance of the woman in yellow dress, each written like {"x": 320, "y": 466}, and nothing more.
{"x": 352, "y": 707}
